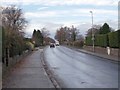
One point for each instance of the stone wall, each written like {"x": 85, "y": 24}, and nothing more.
{"x": 102, "y": 50}
{"x": 114, "y": 51}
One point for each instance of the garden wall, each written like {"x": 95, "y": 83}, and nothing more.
{"x": 102, "y": 50}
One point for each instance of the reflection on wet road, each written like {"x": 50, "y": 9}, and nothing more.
{"x": 79, "y": 70}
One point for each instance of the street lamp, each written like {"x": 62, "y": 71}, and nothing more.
{"x": 92, "y": 31}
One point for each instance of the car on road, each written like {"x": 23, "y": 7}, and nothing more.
{"x": 57, "y": 44}
{"x": 52, "y": 45}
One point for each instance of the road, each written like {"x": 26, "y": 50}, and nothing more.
{"x": 74, "y": 69}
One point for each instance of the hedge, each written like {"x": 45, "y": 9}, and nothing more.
{"x": 88, "y": 41}
{"x": 119, "y": 38}
{"x": 78, "y": 43}
{"x": 113, "y": 39}
{"x": 101, "y": 40}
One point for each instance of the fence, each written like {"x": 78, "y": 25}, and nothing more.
{"x": 13, "y": 61}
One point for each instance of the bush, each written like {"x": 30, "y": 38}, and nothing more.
{"x": 79, "y": 43}
{"x": 113, "y": 39}
{"x": 88, "y": 41}
{"x": 29, "y": 46}
{"x": 119, "y": 38}
{"x": 101, "y": 40}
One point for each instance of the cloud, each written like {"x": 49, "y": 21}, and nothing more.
{"x": 42, "y": 8}
{"x": 75, "y": 12}
{"x": 41, "y": 19}
{"x": 55, "y": 18}
{"x": 111, "y": 23}
{"x": 82, "y": 26}
{"x": 51, "y": 27}
{"x": 63, "y": 2}
{"x": 40, "y": 14}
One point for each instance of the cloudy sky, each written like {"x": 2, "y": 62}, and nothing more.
{"x": 52, "y": 14}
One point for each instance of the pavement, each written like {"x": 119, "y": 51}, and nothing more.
{"x": 28, "y": 73}
{"x": 110, "y": 57}
{"x": 114, "y": 58}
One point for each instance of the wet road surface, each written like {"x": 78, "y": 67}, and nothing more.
{"x": 74, "y": 69}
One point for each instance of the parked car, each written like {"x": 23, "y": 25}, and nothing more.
{"x": 52, "y": 45}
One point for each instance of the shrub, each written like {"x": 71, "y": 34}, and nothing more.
{"x": 88, "y": 41}
{"x": 29, "y": 46}
{"x": 79, "y": 43}
{"x": 101, "y": 40}
{"x": 113, "y": 39}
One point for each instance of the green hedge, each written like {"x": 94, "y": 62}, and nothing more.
{"x": 119, "y": 38}
{"x": 113, "y": 39}
{"x": 101, "y": 40}
{"x": 88, "y": 41}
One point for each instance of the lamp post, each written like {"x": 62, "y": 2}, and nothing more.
{"x": 92, "y": 31}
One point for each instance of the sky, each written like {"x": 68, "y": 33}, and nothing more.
{"x": 53, "y": 14}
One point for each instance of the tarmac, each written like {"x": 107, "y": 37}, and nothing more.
{"x": 28, "y": 73}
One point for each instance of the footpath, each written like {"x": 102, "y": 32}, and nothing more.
{"x": 100, "y": 55}
{"x": 112, "y": 58}
{"x": 28, "y": 73}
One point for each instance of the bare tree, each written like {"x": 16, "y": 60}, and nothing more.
{"x": 67, "y": 34}
{"x": 45, "y": 34}
{"x": 95, "y": 30}
{"x": 13, "y": 23}
{"x": 74, "y": 32}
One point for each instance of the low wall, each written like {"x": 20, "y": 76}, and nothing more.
{"x": 12, "y": 62}
{"x": 114, "y": 51}
{"x": 101, "y": 50}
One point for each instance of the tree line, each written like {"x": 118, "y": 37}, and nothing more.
{"x": 98, "y": 29}
{"x": 14, "y": 41}
{"x": 105, "y": 36}
{"x": 40, "y": 37}
{"x": 37, "y": 38}
{"x": 69, "y": 35}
